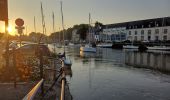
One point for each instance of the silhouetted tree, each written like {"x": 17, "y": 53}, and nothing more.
{"x": 82, "y": 31}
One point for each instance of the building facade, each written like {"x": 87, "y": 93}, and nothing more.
{"x": 157, "y": 29}
{"x": 75, "y": 36}
{"x": 114, "y": 32}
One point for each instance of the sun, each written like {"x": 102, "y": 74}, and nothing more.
{"x": 10, "y": 30}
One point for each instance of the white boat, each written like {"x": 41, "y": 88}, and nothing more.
{"x": 87, "y": 48}
{"x": 105, "y": 45}
{"x": 67, "y": 62}
{"x": 130, "y": 47}
{"x": 59, "y": 45}
{"x": 71, "y": 44}
{"x": 159, "y": 48}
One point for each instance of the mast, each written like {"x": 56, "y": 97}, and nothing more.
{"x": 89, "y": 28}
{"x": 34, "y": 25}
{"x": 53, "y": 29}
{"x": 63, "y": 25}
{"x": 59, "y": 35}
{"x": 42, "y": 15}
{"x": 53, "y": 22}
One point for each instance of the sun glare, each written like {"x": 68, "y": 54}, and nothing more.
{"x": 10, "y": 30}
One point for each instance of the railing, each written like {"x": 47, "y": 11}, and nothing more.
{"x": 32, "y": 93}
{"x": 62, "y": 74}
{"x": 63, "y": 80}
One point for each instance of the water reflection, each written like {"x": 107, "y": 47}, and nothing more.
{"x": 106, "y": 75}
{"x": 153, "y": 60}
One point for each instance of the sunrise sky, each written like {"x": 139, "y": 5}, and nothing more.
{"x": 76, "y": 12}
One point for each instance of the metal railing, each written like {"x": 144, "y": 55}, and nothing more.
{"x": 63, "y": 80}
{"x": 33, "y": 92}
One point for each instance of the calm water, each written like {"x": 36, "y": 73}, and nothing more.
{"x": 105, "y": 76}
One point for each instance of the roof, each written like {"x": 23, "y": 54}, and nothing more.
{"x": 164, "y": 21}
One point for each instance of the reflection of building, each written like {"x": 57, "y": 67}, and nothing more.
{"x": 152, "y": 60}
{"x": 141, "y": 30}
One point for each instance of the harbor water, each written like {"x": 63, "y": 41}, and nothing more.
{"x": 119, "y": 75}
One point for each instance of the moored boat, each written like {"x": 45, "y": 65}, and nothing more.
{"x": 130, "y": 47}
{"x": 105, "y": 45}
{"x": 87, "y": 48}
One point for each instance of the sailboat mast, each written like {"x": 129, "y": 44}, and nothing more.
{"x": 63, "y": 25}
{"x": 53, "y": 22}
{"x": 34, "y": 25}
{"x": 42, "y": 15}
{"x": 89, "y": 28}
{"x": 59, "y": 34}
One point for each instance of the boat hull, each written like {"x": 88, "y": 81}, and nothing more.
{"x": 104, "y": 45}
{"x": 87, "y": 49}
{"x": 130, "y": 47}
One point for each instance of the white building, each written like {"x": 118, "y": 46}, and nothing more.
{"x": 114, "y": 32}
{"x": 142, "y": 30}
{"x": 149, "y": 34}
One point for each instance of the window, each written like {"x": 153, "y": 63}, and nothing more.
{"x": 142, "y": 38}
{"x": 157, "y": 31}
{"x": 149, "y": 25}
{"x": 165, "y": 31}
{"x": 135, "y": 38}
{"x": 149, "y": 32}
{"x": 142, "y": 32}
{"x": 129, "y": 32}
{"x": 136, "y": 32}
{"x": 149, "y": 38}
{"x": 129, "y": 38}
{"x": 156, "y": 38}
{"x": 165, "y": 37}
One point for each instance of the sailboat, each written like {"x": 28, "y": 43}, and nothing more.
{"x": 88, "y": 47}
{"x": 67, "y": 61}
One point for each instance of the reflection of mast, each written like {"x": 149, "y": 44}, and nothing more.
{"x": 90, "y": 74}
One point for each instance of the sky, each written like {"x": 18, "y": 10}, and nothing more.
{"x": 76, "y": 12}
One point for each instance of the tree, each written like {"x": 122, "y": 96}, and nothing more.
{"x": 82, "y": 31}
{"x": 98, "y": 26}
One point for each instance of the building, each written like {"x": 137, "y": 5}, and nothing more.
{"x": 114, "y": 32}
{"x": 75, "y": 36}
{"x": 157, "y": 29}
